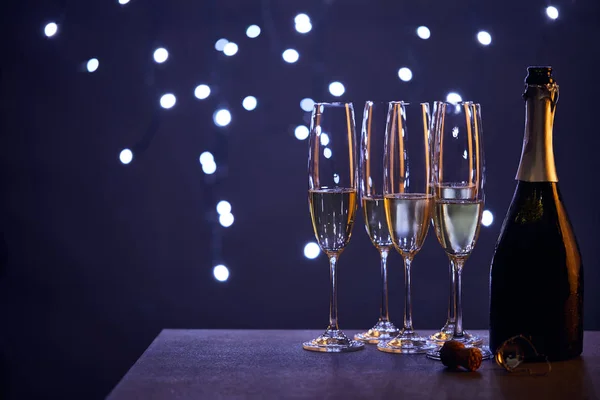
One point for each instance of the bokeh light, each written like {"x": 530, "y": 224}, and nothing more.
{"x": 487, "y": 218}
{"x": 126, "y": 156}
{"x": 92, "y": 65}
{"x": 336, "y": 88}
{"x": 301, "y": 132}
{"x": 50, "y": 29}
{"x": 168, "y": 101}
{"x": 202, "y": 92}
{"x": 206, "y": 157}
{"x": 230, "y": 49}
{"x": 405, "y": 74}
{"x": 302, "y": 23}
{"x": 312, "y": 250}
{"x": 249, "y": 103}
{"x": 221, "y": 273}
{"x": 290, "y": 56}
{"x": 453, "y": 98}
{"x": 220, "y": 44}
{"x": 161, "y": 55}
{"x": 484, "y": 38}
{"x": 209, "y": 167}
{"x": 223, "y": 207}
{"x": 307, "y": 104}
{"x": 226, "y": 220}
{"x": 222, "y": 117}
{"x": 253, "y": 31}
{"x": 552, "y": 12}
{"x": 423, "y": 32}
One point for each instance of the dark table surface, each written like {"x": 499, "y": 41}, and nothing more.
{"x": 212, "y": 364}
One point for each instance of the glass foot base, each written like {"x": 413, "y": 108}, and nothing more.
{"x": 406, "y": 343}
{"x": 333, "y": 341}
{"x": 434, "y": 354}
{"x": 381, "y": 331}
{"x": 445, "y": 335}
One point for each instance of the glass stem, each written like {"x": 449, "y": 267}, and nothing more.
{"x": 383, "y": 311}
{"x": 408, "y": 326}
{"x": 458, "y": 267}
{"x": 452, "y": 298}
{"x": 333, "y": 319}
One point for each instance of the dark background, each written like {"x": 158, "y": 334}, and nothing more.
{"x": 97, "y": 257}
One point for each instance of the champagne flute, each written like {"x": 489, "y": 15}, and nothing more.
{"x": 408, "y": 203}
{"x": 332, "y": 176}
{"x": 458, "y": 178}
{"x": 371, "y": 193}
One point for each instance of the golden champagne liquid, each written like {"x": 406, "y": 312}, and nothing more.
{"x": 332, "y": 212}
{"x": 408, "y": 217}
{"x": 457, "y": 224}
{"x": 375, "y": 223}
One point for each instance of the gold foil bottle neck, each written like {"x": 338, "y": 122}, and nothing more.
{"x": 537, "y": 156}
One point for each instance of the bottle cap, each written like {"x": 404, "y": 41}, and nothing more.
{"x": 539, "y": 75}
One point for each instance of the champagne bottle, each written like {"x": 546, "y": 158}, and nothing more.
{"x": 536, "y": 275}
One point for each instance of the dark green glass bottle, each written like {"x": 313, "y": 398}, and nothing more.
{"x": 536, "y": 276}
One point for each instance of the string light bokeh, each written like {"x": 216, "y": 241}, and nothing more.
{"x": 223, "y": 117}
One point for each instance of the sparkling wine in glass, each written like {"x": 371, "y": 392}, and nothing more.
{"x": 408, "y": 202}
{"x": 332, "y": 198}
{"x": 371, "y": 195}
{"x": 458, "y": 178}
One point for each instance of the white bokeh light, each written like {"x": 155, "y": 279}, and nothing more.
{"x": 453, "y": 98}
{"x": 202, "y": 92}
{"x": 220, "y": 44}
{"x": 50, "y": 29}
{"x": 307, "y": 104}
{"x": 223, "y": 207}
{"x": 405, "y": 74}
{"x": 226, "y": 220}
{"x": 552, "y": 12}
{"x": 311, "y": 250}
{"x": 92, "y": 65}
{"x": 253, "y": 31}
{"x": 230, "y": 49}
{"x": 161, "y": 55}
{"x": 301, "y": 132}
{"x": 324, "y": 139}
{"x": 222, "y": 117}
{"x": 123, "y": 2}
{"x": 126, "y": 156}
{"x": 484, "y": 38}
{"x": 301, "y": 19}
{"x": 249, "y": 103}
{"x": 209, "y": 167}
{"x": 206, "y": 157}
{"x": 290, "y": 56}
{"x": 423, "y": 32}
{"x": 487, "y": 218}
{"x": 221, "y": 273}
{"x": 303, "y": 24}
{"x": 336, "y": 88}
{"x": 327, "y": 153}
{"x": 168, "y": 100}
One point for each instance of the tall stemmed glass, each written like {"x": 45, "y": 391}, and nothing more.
{"x": 458, "y": 178}
{"x": 372, "y": 142}
{"x": 332, "y": 177}
{"x": 408, "y": 202}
